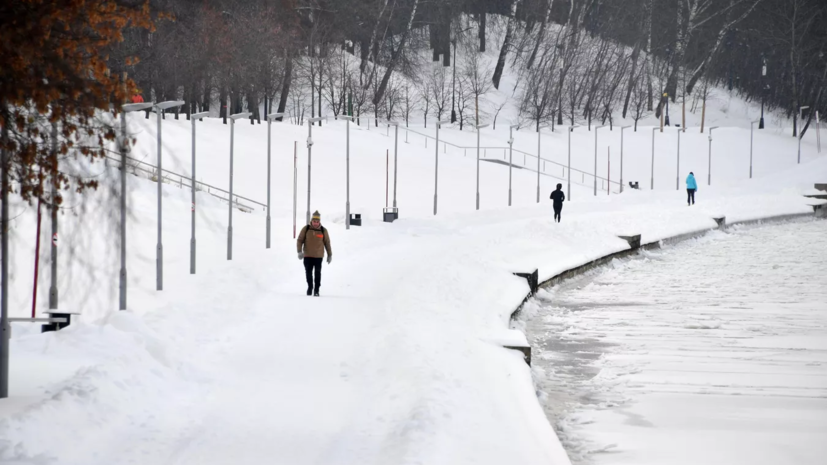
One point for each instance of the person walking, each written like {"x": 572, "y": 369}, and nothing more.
{"x": 558, "y": 197}
{"x": 691, "y": 187}
{"x": 311, "y": 244}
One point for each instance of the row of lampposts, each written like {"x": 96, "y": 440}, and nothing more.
{"x": 159, "y": 107}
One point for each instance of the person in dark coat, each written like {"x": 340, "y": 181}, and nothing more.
{"x": 311, "y": 245}
{"x": 558, "y": 197}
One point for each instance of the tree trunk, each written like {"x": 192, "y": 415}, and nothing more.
{"x": 498, "y": 70}
{"x": 222, "y": 102}
{"x": 288, "y": 79}
{"x": 482, "y": 32}
{"x": 632, "y": 77}
{"x": 540, "y": 35}
{"x": 395, "y": 54}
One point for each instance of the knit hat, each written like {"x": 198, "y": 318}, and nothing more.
{"x": 316, "y": 216}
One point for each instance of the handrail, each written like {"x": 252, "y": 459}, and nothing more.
{"x": 517, "y": 151}
{"x": 204, "y": 186}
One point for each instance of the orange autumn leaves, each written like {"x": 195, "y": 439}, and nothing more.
{"x": 54, "y": 68}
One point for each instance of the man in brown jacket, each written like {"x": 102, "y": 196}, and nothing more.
{"x": 315, "y": 239}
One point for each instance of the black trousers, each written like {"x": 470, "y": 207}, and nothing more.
{"x": 309, "y": 264}
{"x": 690, "y": 196}
{"x": 557, "y": 210}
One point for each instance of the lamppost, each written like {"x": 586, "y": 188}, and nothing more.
{"x": 678, "y": 172}
{"x": 159, "y": 250}
{"x": 230, "y": 223}
{"x": 270, "y": 118}
{"x": 193, "y": 119}
{"x": 800, "y": 132}
{"x": 539, "y": 134}
{"x": 595, "y": 158}
{"x": 510, "y": 156}
{"x": 310, "y": 122}
{"x": 709, "y": 171}
{"x": 436, "y": 163}
{"x": 652, "y": 178}
{"x": 395, "y": 158}
{"x": 666, "y": 97}
{"x": 479, "y": 126}
{"x": 130, "y": 107}
{"x": 751, "y": 132}
{"x": 347, "y": 119}
{"x": 621, "y": 156}
{"x": 568, "y": 188}
{"x": 763, "y": 89}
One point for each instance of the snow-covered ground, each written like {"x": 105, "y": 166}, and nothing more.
{"x": 710, "y": 351}
{"x": 400, "y": 360}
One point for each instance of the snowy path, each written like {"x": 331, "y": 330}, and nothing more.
{"x": 712, "y": 351}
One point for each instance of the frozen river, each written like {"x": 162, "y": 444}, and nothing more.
{"x": 711, "y": 351}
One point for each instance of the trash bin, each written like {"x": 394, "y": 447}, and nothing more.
{"x": 356, "y": 219}
{"x": 390, "y": 214}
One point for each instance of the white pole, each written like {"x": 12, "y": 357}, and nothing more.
{"x": 652, "y": 178}
{"x": 347, "y": 173}
{"x": 678, "y": 171}
{"x": 751, "y": 135}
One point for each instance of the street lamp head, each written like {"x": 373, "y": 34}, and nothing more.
{"x": 443, "y": 122}
{"x": 137, "y": 106}
{"x": 571, "y": 129}
{"x": 393, "y": 123}
{"x": 169, "y": 104}
{"x": 318, "y": 118}
{"x": 345, "y": 117}
{"x": 480, "y": 126}
{"x": 196, "y": 116}
{"x": 236, "y": 116}
{"x": 273, "y": 116}
{"x": 514, "y": 126}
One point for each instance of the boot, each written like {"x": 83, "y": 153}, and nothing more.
{"x": 309, "y": 290}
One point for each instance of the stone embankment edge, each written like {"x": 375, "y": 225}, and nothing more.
{"x": 632, "y": 250}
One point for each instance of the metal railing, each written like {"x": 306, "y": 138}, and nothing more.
{"x": 182, "y": 181}
{"x": 525, "y": 166}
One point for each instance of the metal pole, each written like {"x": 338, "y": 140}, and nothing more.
{"x": 269, "y": 128}
{"x": 5, "y": 330}
{"x": 230, "y": 224}
{"x": 295, "y": 181}
{"x": 387, "y": 175}
{"x": 347, "y": 173}
{"x": 595, "y": 160}
{"x": 53, "y": 286}
{"x": 818, "y": 133}
{"x": 678, "y": 170}
{"x": 309, "y": 160}
{"x": 159, "y": 250}
{"x": 621, "y": 156}
{"x": 478, "y": 167}
{"x": 652, "y": 178}
{"x": 709, "y": 172}
{"x": 192, "y": 207}
{"x": 751, "y": 134}
{"x": 270, "y": 119}
{"x": 609, "y": 171}
{"x": 395, "y": 150}
{"x": 510, "y": 159}
{"x": 538, "y": 163}
{"x": 436, "y": 166}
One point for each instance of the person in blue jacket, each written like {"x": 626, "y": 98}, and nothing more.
{"x": 691, "y": 187}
